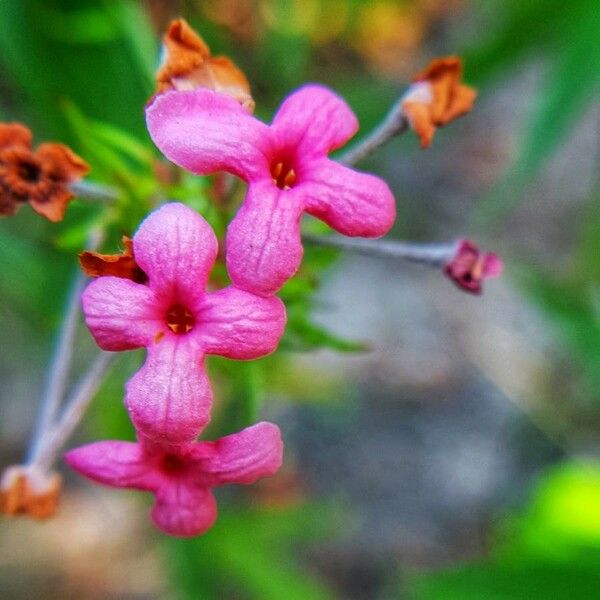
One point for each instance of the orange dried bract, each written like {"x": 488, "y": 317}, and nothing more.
{"x": 436, "y": 97}
{"x": 24, "y": 491}
{"x": 188, "y": 65}
{"x": 122, "y": 265}
{"x": 40, "y": 177}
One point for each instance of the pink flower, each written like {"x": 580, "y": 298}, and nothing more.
{"x": 182, "y": 476}
{"x": 470, "y": 267}
{"x": 286, "y": 167}
{"x": 178, "y": 322}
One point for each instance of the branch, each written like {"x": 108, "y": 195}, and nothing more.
{"x": 74, "y": 410}
{"x": 61, "y": 360}
{"x": 393, "y": 124}
{"x": 435, "y": 255}
{"x": 96, "y": 192}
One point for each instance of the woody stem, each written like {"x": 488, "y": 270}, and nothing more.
{"x": 61, "y": 360}
{"x": 435, "y": 255}
{"x": 74, "y": 410}
{"x": 393, "y": 124}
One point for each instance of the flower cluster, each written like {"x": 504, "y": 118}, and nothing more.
{"x": 156, "y": 294}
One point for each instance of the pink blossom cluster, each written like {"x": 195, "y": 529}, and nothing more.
{"x": 178, "y": 321}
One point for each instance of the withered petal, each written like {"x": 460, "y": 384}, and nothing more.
{"x": 185, "y": 50}
{"x": 121, "y": 265}
{"x": 14, "y": 134}
{"x": 53, "y": 204}
{"x": 188, "y": 65}
{"x": 419, "y": 117}
{"x": 61, "y": 161}
{"x": 449, "y": 98}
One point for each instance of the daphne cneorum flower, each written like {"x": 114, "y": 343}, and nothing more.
{"x": 182, "y": 476}
{"x": 287, "y": 170}
{"x": 178, "y": 322}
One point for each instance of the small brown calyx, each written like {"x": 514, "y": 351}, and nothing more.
{"x": 94, "y": 264}
{"x": 283, "y": 175}
{"x": 27, "y": 491}
{"x": 179, "y": 319}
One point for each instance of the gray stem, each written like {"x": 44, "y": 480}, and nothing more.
{"x": 394, "y": 124}
{"x": 73, "y": 412}
{"x": 61, "y": 360}
{"x": 432, "y": 254}
{"x": 97, "y": 192}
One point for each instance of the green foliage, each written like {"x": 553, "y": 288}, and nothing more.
{"x": 249, "y": 554}
{"x": 551, "y": 551}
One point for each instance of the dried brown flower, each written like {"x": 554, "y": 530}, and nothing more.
{"x": 40, "y": 177}
{"x": 436, "y": 97}
{"x": 26, "y": 491}
{"x": 188, "y": 64}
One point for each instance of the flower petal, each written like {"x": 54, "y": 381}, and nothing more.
{"x": 54, "y": 205}
{"x": 184, "y": 510}
{"x": 240, "y": 325}
{"x": 121, "y": 314}
{"x": 263, "y": 240}
{"x": 205, "y": 132}
{"x": 245, "y": 456}
{"x": 119, "y": 464}
{"x": 315, "y": 120}
{"x": 353, "y": 203}
{"x": 176, "y": 248}
{"x": 14, "y": 134}
{"x": 61, "y": 162}
{"x": 492, "y": 265}
{"x": 170, "y": 397}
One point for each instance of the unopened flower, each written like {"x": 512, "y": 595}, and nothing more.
{"x": 286, "y": 167}
{"x": 40, "y": 177}
{"x": 182, "y": 476}
{"x": 28, "y": 491}
{"x": 188, "y": 64}
{"x": 436, "y": 97}
{"x": 94, "y": 264}
{"x": 470, "y": 267}
{"x": 178, "y": 322}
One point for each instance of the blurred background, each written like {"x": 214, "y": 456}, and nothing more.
{"x": 438, "y": 445}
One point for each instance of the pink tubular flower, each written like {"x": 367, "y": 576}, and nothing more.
{"x": 178, "y": 322}
{"x": 469, "y": 267}
{"x": 286, "y": 167}
{"x": 182, "y": 476}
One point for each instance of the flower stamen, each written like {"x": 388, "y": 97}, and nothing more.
{"x": 283, "y": 176}
{"x": 180, "y": 320}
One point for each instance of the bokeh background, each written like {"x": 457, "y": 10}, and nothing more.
{"x": 438, "y": 445}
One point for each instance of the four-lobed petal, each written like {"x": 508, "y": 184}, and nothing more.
{"x": 205, "y": 132}
{"x": 263, "y": 240}
{"x": 286, "y": 167}
{"x": 170, "y": 397}
{"x": 182, "y": 476}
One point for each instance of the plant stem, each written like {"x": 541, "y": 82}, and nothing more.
{"x": 435, "y": 255}
{"x": 97, "y": 192}
{"x": 73, "y": 412}
{"x": 61, "y": 360}
{"x": 394, "y": 124}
